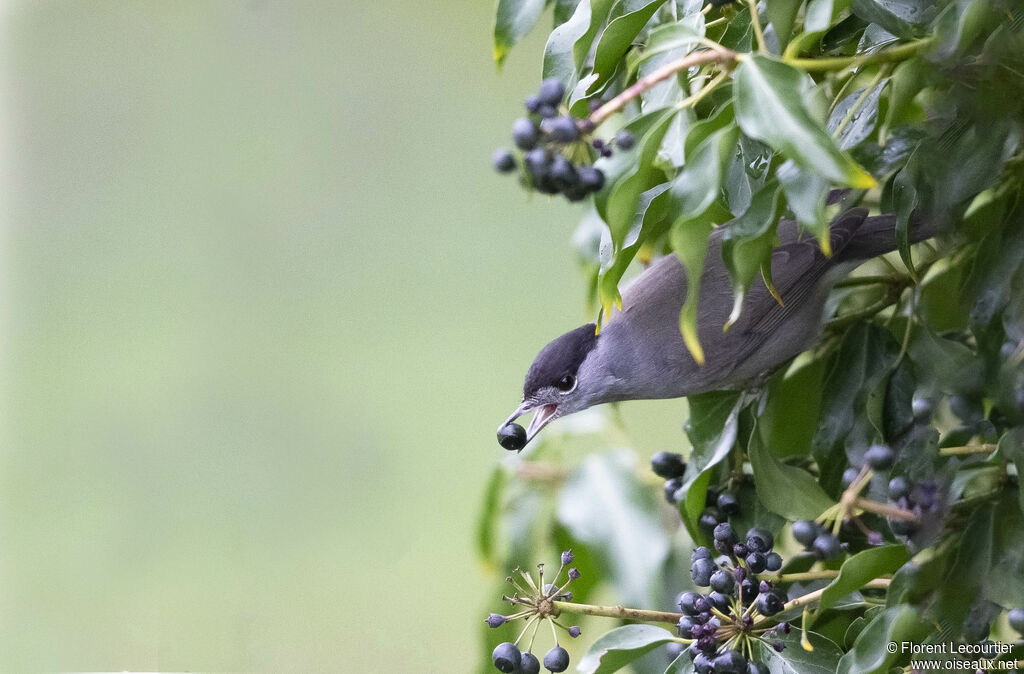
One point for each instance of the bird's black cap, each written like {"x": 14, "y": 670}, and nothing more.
{"x": 561, "y": 357}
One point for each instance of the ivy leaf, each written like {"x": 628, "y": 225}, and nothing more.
{"x": 694, "y": 190}
{"x": 683, "y": 34}
{"x": 629, "y": 173}
{"x": 604, "y": 506}
{"x": 806, "y": 192}
{"x": 487, "y": 526}
{"x": 857, "y": 122}
{"x": 770, "y": 107}
{"x": 786, "y": 490}
{"x": 747, "y": 243}
{"x": 905, "y": 18}
{"x": 616, "y": 649}
{"x": 858, "y": 570}
{"x": 869, "y": 654}
{"x": 795, "y": 660}
{"x": 616, "y": 40}
{"x": 711, "y": 428}
{"x": 513, "y": 19}
{"x": 568, "y": 45}
{"x": 782, "y": 14}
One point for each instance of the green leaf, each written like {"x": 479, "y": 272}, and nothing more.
{"x": 770, "y": 107}
{"x": 905, "y": 18}
{"x": 629, "y": 173}
{"x": 782, "y": 14}
{"x": 854, "y": 119}
{"x": 616, "y": 40}
{"x": 604, "y": 506}
{"x": 488, "y": 523}
{"x": 513, "y": 19}
{"x": 616, "y": 649}
{"x": 684, "y": 34}
{"x": 649, "y": 222}
{"x": 694, "y": 190}
{"x": 795, "y": 660}
{"x": 792, "y": 405}
{"x": 818, "y": 17}
{"x": 747, "y": 243}
{"x": 787, "y": 490}
{"x": 904, "y": 202}
{"x": 858, "y": 570}
{"x": 1004, "y": 582}
{"x": 806, "y": 192}
{"x": 711, "y": 427}
{"x": 681, "y": 665}
{"x": 568, "y": 45}
{"x": 869, "y": 654}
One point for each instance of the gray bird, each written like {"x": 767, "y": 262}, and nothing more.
{"x": 640, "y": 353}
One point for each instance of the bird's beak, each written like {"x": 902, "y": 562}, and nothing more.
{"x": 541, "y": 416}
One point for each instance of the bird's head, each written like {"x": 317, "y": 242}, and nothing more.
{"x": 560, "y": 381}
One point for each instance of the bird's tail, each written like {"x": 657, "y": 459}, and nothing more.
{"x": 877, "y": 236}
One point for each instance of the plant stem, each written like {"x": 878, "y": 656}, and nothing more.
{"x": 903, "y": 52}
{"x": 619, "y": 612}
{"x": 755, "y": 21}
{"x": 853, "y": 281}
{"x": 878, "y": 583}
{"x": 721, "y": 55}
{"x": 797, "y": 577}
{"x": 883, "y": 509}
{"x": 967, "y": 449}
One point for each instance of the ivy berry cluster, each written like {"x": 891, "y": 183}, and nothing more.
{"x": 719, "y": 504}
{"x": 537, "y": 603}
{"x": 725, "y": 624}
{"x": 556, "y": 148}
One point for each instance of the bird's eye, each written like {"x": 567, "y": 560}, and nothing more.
{"x": 566, "y": 383}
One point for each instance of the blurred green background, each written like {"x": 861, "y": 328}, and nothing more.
{"x": 264, "y": 306}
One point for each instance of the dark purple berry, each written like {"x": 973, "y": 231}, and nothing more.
{"x": 585, "y": 125}
{"x": 756, "y": 562}
{"x": 503, "y": 160}
{"x": 730, "y": 662}
{"x": 805, "y": 531}
{"x": 709, "y": 519}
{"x": 720, "y": 600}
{"x": 685, "y": 603}
{"x": 779, "y": 646}
{"x": 749, "y": 590}
{"x": 724, "y": 532}
{"x": 850, "y": 476}
{"x": 495, "y": 620}
{"x": 898, "y": 488}
{"x": 728, "y": 504}
{"x": 624, "y": 140}
{"x": 723, "y": 581}
{"x": 574, "y": 573}
{"x": 769, "y": 604}
{"x": 547, "y": 111}
{"x": 773, "y": 561}
{"x": 512, "y": 437}
{"x": 764, "y": 586}
{"x": 783, "y": 627}
{"x": 575, "y": 631}
{"x": 598, "y": 144}
{"x": 560, "y": 129}
{"x": 532, "y": 104}
{"x": 702, "y": 604}
{"x": 563, "y": 173}
{"x": 739, "y": 551}
{"x": 757, "y": 668}
{"x": 568, "y": 557}
{"x": 666, "y": 464}
{"x": 700, "y": 552}
{"x": 524, "y": 133}
{"x": 592, "y": 179}
{"x": 551, "y": 91}
{"x": 529, "y": 664}
{"x": 880, "y": 457}
{"x": 826, "y": 546}
{"x": 506, "y": 657}
{"x": 702, "y": 664}
{"x": 684, "y": 627}
{"x": 556, "y": 660}
{"x": 606, "y": 152}
{"x": 671, "y": 487}
{"x": 700, "y": 572}
{"x": 1016, "y": 618}
{"x": 760, "y": 540}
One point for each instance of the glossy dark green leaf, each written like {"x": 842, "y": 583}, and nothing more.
{"x": 747, "y": 244}
{"x": 905, "y": 18}
{"x": 791, "y": 409}
{"x": 857, "y": 570}
{"x": 1004, "y": 582}
{"x": 711, "y": 427}
{"x": 908, "y": 79}
{"x": 630, "y": 173}
{"x": 818, "y": 17}
{"x": 603, "y": 505}
{"x": 649, "y": 222}
{"x": 794, "y": 659}
{"x": 684, "y": 35}
{"x": 692, "y": 194}
{"x": 904, "y": 201}
{"x": 568, "y": 44}
{"x": 770, "y": 107}
{"x": 854, "y": 118}
{"x": 564, "y": 10}
{"x": 621, "y": 646}
{"x": 870, "y": 655}
{"x": 787, "y": 490}
{"x": 782, "y": 14}
{"x": 513, "y": 19}
{"x": 617, "y": 38}
{"x": 681, "y": 665}
{"x": 806, "y": 192}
